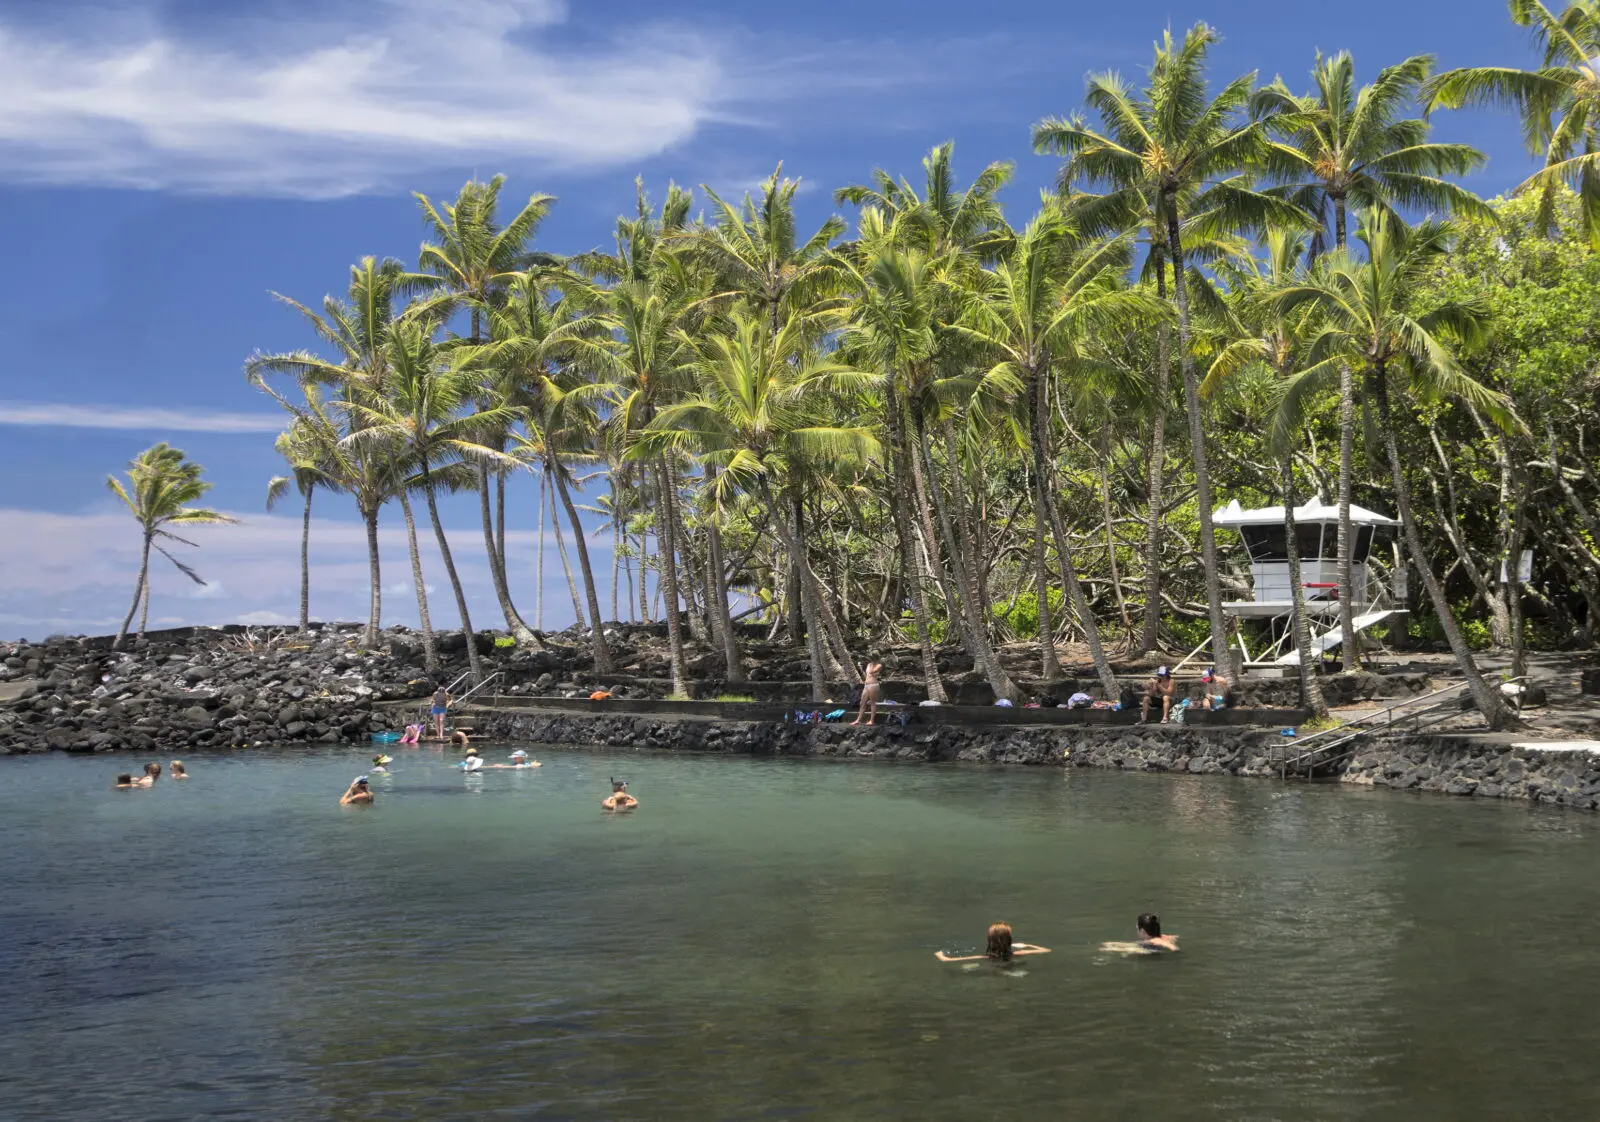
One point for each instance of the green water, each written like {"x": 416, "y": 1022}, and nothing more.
{"x": 756, "y": 941}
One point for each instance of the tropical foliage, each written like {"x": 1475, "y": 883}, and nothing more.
{"x": 934, "y": 425}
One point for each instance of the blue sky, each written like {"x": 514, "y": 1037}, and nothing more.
{"x": 164, "y": 165}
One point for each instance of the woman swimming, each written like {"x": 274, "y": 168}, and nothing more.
{"x": 178, "y": 771}
{"x": 1001, "y": 948}
{"x": 381, "y": 762}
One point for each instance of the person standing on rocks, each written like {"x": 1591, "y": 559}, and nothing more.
{"x": 870, "y": 691}
{"x": 441, "y": 706}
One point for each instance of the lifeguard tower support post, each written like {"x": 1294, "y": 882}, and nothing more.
{"x": 1317, "y": 532}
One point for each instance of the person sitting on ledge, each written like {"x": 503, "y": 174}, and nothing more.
{"x": 1001, "y": 948}
{"x": 413, "y": 735}
{"x": 1160, "y": 686}
{"x": 357, "y": 793}
{"x": 619, "y": 798}
{"x": 1217, "y": 689}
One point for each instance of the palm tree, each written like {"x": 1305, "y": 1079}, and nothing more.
{"x": 357, "y": 329}
{"x": 1174, "y": 145}
{"x": 1050, "y": 294}
{"x": 305, "y": 445}
{"x": 1347, "y": 145}
{"x": 751, "y": 416}
{"x": 161, "y": 485}
{"x": 1559, "y": 103}
{"x": 476, "y": 259}
{"x": 1372, "y": 316}
{"x": 1273, "y": 341}
{"x": 420, "y": 421}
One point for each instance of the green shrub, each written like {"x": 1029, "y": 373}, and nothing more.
{"x": 504, "y": 642}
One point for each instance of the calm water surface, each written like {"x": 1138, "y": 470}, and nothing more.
{"x": 757, "y": 942}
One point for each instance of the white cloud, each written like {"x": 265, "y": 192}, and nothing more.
{"x": 138, "y": 418}
{"x": 322, "y": 105}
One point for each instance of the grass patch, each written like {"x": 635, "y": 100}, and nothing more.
{"x": 734, "y": 697}
{"x": 504, "y": 642}
{"x": 677, "y": 697}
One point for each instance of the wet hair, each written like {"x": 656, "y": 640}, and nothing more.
{"x": 999, "y": 941}
{"x": 153, "y": 770}
{"x": 618, "y": 785}
{"x": 124, "y": 780}
{"x": 1150, "y": 925}
{"x": 177, "y": 768}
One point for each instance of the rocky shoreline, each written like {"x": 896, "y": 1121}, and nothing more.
{"x": 1451, "y": 764}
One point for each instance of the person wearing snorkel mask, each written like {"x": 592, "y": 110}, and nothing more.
{"x": 619, "y": 798}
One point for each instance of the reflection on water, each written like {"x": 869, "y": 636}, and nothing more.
{"x": 758, "y": 941}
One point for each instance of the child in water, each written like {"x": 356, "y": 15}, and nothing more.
{"x": 619, "y": 798}
{"x": 1001, "y": 948}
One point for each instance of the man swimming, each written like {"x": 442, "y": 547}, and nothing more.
{"x": 619, "y": 798}
{"x": 519, "y": 759}
{"x": 358, "y": 793}
{"x": 1151, "y": 940}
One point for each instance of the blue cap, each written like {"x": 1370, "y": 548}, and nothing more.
{"x": 360, "y": 779}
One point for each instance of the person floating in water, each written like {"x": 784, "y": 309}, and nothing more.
{"x": 178, "y": 771}
{"x": 473, "y": 762}
{"x": 152, "y": 772}
{"x": 125, "y": 782}
{"x": 1150, "y": 941}
{"x": 358, "y": 793}
{"x": 1002, "y": 948}
{"x": 441, "y": 706}
{"x": 1160, "y": 686}
{"x": 871, "y": 689}
{"x": 519, "y": 759}
{"x": 459, "y": 737}
{"x": 381, "y": 762}
{"x": 619, "y": 798}
{"x": 413, "y": 735}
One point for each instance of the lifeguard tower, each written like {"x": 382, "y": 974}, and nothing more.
{"x": 1317, "y": 533}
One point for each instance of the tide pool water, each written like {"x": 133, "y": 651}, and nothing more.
{"x": 757, "y": 941}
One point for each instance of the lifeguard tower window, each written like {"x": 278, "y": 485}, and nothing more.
{"x": 1316, "y": 540}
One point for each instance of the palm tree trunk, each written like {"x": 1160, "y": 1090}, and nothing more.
{"x": 566, "y": 564}
{"x": 1310, "y": 687}
{"x": 1488, "y": 700}
{"x": 602, "y": 650}
{"x": 538, "y": 562}
{"x": 305, "y": 564}
{"x": 430, "y": 648}
{"x": 1343, "y": 569}
{"x": 909, "y": 562}
{"x": 616, "y": 557}
{"x": 796, "y": 622}
{"x": 819, "y": 660}
{"x": 719, "y": 593}
{"x": 921, "y": 469}
{"x": 1220, "y": 653}
{"x": 500, "y": 523}
{"x": 1080, "y": 604}
{"x": 1050, "y": 664}
{"x": 473, "y": 660}
{"x": 369, "y": 637}
{"x": 973, "y": 610}
{"x": 144, "y": 604}
{"x": 494, "y": 547}
{"x": 664, "y": 536}
{"x": 1150, "y": 639}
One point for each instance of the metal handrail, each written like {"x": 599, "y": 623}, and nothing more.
{"x": 1373, "y": 716}
{"x": 459, "y": 700}
{"x": 1354, "y": 730}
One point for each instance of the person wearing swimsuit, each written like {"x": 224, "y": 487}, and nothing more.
{"x": 870, "y": 689}
{"x": 441, "y": 706}
{"x": 1002, "y": 948}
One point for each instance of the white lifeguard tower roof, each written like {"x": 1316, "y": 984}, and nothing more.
{"x": 1314, "y": 510}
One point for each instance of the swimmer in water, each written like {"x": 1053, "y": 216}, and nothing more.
{"x": 473, "y": 762}
{"x": 152, "y": 772}
{"x": 519, "y": 759}
{"x": 178, "y": 771}
{"x": 1002, "y": 948}
{"x": 1150, "y": 941}
{"x": 619, "y": 799}
{"x": 125, "y": 782}
{"x": 459, "y": 737}
{"x": 358, "y": 793}
{"x": 380, "y": 762}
